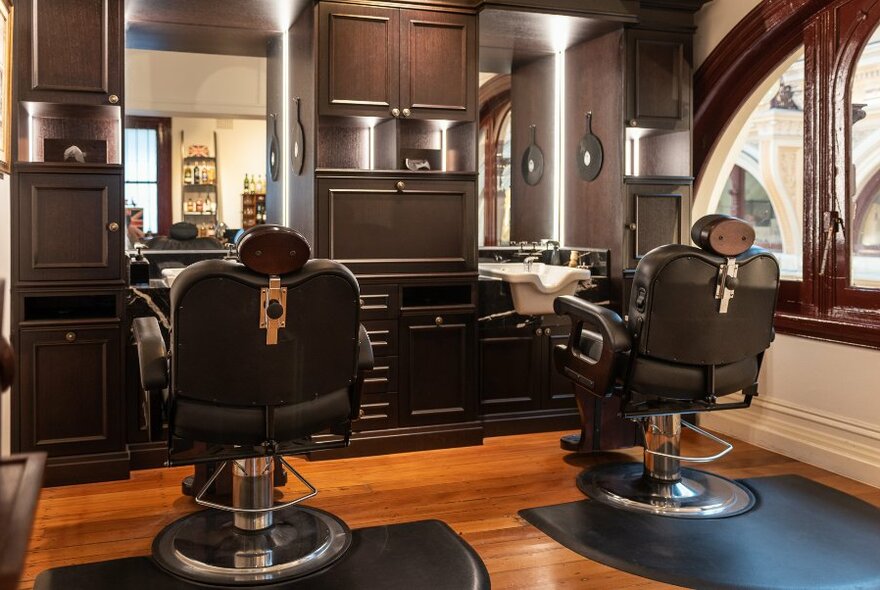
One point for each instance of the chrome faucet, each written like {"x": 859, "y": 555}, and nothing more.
{"x": 527, "y": 262}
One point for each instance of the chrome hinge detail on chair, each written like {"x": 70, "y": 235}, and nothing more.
{"x": 273, "y": 309}
{"x": 726, "y": 284}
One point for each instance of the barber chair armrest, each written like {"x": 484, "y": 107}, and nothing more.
{"x": 365, "y": 362}
{"x": 153, "y": 364}
{"x": 365, "y": 351}
{"x": 596, "y": 375}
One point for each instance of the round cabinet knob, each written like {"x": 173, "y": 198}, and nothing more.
{"x": 633, "y": 123}
{"x": 70, "y": 336}
{"x": 400, "y": 185}
{"x": 630, "y": 226}
{"x": 546, "y": 331}
{"x": 395, "y": 112}
{"x": 407, "y": 112}
{"x": 538, "y": 332}
{"x": 438, "y": 320}
{"x": 361, "y": 413}
{"x": 113, "y": 226}
{"x": 362, "y": 302}
{"x": 113, "y": 99}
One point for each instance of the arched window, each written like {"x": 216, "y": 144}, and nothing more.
{"x": 787, "y": 124}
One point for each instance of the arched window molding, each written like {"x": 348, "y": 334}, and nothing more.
{"x": 826, "y": 304}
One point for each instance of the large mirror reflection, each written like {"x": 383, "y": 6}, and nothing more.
{"x": 196, "y": 123}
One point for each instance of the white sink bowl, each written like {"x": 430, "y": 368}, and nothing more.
{"x": 534, "y": 290}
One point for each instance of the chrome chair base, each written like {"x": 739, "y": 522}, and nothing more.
{"x": 696, "y": 494}
{"x": 207, "y": 547}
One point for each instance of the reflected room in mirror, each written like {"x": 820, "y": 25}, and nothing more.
{"x": 195, "y": 130}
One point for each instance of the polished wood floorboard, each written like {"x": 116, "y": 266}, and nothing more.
{"x": 477, "y": 490}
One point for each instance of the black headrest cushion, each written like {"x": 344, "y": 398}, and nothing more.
{"x": 273, "y": 249}
{"x": 183, "y": 231}
{"x": 724, "y": 235}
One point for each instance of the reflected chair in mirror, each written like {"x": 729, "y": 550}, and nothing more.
{"x": 699, "y": 321}
{"x": 266, "y": 353}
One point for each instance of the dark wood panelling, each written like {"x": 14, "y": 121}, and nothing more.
{"x": 275, "y": 104}
{"x": 659, "y": 80}
{"x": 510, "y": 373}
{"x": 71, "y": 379}
{"x": 74, "y": 129}
{"x": 371, "y": 225}
{"x": 437, "y": 374}
{"x": 72, "y": 48}
{"x": 358, "y": 59}
{"x": 594, "y": 210}
{"x": 198, "y": 38}
{"x": 438, "y": 66}
{"x": 69, "y": 227}
{"x": 383, "y": 336}
{"x": 531, "y": 96}
{"x": 260, "y": 15}
{"x": 303, "y": 84}
{"x": 557, "y": 391}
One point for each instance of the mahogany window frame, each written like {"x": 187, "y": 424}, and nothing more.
{"x": 162, "y": 126}
{"x": 823, "y": 305}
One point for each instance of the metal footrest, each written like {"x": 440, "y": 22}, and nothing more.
{"x": 707, "y": 459}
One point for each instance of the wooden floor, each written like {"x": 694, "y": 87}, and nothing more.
{"x": 477, "y": 490}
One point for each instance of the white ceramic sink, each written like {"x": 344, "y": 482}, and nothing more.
{"x": 535, "y": 289}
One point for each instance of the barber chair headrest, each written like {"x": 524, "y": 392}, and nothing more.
{"x": 273, "y": 249}
{"x": 183, "y": 231}
{"x": 723, "y": 235}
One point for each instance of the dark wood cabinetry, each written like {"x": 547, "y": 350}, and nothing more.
{"x": 72, "y": 404}
{"x": 438, "y": 374}
{"x": 71, "y": 51}
{"x": 659, "y": 73}
{"x": 397, "y": 224}
{"x": 388, "y": 62}
{"x": 658, "y": 213}
{"x": 75, "y": 227}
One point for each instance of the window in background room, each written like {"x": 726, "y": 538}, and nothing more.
{"x": 765, "y": 185}
{"x": 147, "y": 176}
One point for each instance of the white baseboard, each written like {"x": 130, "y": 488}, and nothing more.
{"x": 842, "y": 445}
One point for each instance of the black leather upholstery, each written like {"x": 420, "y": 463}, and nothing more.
{"x": 151, "y": 352}
{"x": 677, "y": 344}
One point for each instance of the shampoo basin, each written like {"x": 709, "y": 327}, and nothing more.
{"x": 534, "y": 290}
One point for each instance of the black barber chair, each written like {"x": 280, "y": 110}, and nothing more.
{"x": 266, "y": 352}
{"x": 699, "y": 322}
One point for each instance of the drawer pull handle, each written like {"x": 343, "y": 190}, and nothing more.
{"x": 113, "y": 99}
{"x": 401, "y": 186}
{"x": 70, "y": 336}
{"x": 395, "y": 112}
{"x": 438, "y": 320}
{"x": 406, "y": 112}
{"x": 113, "y": 226}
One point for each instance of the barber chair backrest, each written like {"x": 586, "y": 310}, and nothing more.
{"x": 221, "y": 352}
{"x": 710, "y": 305}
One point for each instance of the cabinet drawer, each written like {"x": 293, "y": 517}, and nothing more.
{"x": 379, "y": 302}
{"x": 383, "y": 337}
{"x": 382, "y": 377}
{"x": 378, "y": 411}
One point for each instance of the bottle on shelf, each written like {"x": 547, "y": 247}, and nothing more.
{"x": 197, "y": 175}
{"x": 212, "y": 174}
{"x": 261, "y": 185}
{"x": 204, "y": 173}
{"x": 187, "y": 174}
{"x": 247, "y": 185}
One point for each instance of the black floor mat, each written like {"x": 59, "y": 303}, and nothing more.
{"x": 425, "y": 554}
{"x": 800, "y": 535}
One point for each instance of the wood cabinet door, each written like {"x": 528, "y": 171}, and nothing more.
{"x": 558, "y": 392}
{"x": 72, "y": 50}
{"x": 659, "y": 69}
{"x": 377, "y": 226}
{"x": 70, "y": 227}
{"x": 358, "y": 60}
{"x": 438, "y": 65}
{"x": 510, "y": 372}
{"x": 436, "y": 372}
{"x": 70, "y": 389}
{"x": 657, "y": 214}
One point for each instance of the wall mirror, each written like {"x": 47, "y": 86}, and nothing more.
{"x": 522, "y": 95}
{"x": 195, "y": 132}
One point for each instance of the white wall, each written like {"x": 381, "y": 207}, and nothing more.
{"x": 819, "y": 402}
{"x": 6, "y": 273}
{"x": 241, "y": 149}
{"x": 167, "y": 83}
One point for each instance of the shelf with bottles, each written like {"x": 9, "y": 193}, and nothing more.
{"x": 253, "y": 201}
{"x": 201, "y": 204}
{"x": 199, "y": 171}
